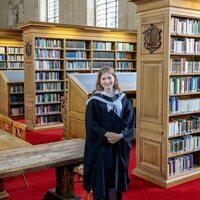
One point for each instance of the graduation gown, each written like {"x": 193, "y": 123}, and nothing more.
{"x": 105, "y": 164}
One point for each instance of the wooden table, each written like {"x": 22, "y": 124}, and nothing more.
{"x": 9, "y": 141}
{"x": 62, "y": 155}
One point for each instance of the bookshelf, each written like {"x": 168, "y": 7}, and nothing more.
{"x": 11, "y": 49}
{"x": 57, "y": 50}
{"x": 12, "y": 93}
{"x": 168, "y": 112}
{"x": 80, "y": 88}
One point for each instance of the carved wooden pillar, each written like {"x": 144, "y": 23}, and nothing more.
{"x": 64, "y": 116}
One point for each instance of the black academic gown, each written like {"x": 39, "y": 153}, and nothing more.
{"x": 105, "y": 164}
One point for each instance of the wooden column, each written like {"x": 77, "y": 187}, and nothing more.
{"x": 154, "y": 19}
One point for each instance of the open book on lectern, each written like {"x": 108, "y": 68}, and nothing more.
{"x": 112, "y": 122}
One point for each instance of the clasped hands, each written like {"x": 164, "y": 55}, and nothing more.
{"x": 113, "y": 137}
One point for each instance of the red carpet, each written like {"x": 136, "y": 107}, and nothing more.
{"x": 39, "y": 182}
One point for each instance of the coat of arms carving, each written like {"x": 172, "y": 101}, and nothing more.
{"x": 28, "y": 49}
{"x": 152, "y": 38}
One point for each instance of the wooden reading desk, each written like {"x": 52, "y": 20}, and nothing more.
{"x": 63, "y": 155}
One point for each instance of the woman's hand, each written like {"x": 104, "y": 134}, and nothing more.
{"x": 113, "y": 137}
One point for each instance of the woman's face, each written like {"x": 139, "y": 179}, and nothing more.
{"x": 107, "y": 81}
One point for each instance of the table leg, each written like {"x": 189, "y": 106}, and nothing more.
{"x": 3, "y": 193}
{"x": 64, "y": 185}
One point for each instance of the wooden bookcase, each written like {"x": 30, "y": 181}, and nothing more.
{"x": 80, "y": 88}
{"x": 168, "y": 73}
{"x": 12, "y": 93}
{"x": 11, "y": 50}
{"x": 56, "y": 50}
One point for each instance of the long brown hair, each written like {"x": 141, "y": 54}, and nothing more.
{"x": 103, "y": 70}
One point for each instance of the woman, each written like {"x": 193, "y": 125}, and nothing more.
{"x": 106, "y": 155}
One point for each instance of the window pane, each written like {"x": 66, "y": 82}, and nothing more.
{"x": 107, "y": 10}
{"x": 101, "y": 7}
{"x": 53, "y": 11}
{"x": 112, "y": 4}
{"x": 100, "y": 2}
{"x": 108, "y": 1}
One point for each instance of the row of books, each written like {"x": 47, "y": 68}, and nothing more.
{"x": 78, "y": 64}
{"x": 16, "y": 98}
{"x": 187, "y": 143}
{"x": 180, "y": 164}
{"x": 106, "y": 55}
{"x": 3, "y": 65}
{"x": 16, "y": 65}
{"x": 76, "y": 55}
{"x": 75, "y": 65}
{"x": 121, "y": 55}
{"x": 184, "y": 85}
{"x": 184, "y": 126}
{"x": 52, "y": 43}
{"x": 47, "y": 64}
{"x": 98, "y": 64}
{"x": 183, "y": 26}
{"x": 48, "y": 43}
{"x": 2, "y": 50}
{"x": 15, "y": 58}
{"x": 12, "y": 50}
{"x": 102, "y": 45}
{"x": 2, "y": 57}
{"x": 181, "y": 106}
{"x": 16, "y": 88}
{"x": 48, "y": 120}
{"x": 125, "y": 47}
{"x": 47, "y": 109}
{"x": 17, "y": 111}
{"x": 47, "y": 98}
{"x": 15, "y": 50}
{"x": 46, "y": 53}
{"x": 75, "y": 44}
{"x": 48, "y": 86}
{"x": 181, "y": 65}
{"x": 41, "y": 76}
{"x": 125, "y": 65}
{"x": 185, "y": 45}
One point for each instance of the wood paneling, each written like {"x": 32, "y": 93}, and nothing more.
{"x": 152, "y": 154}
{"x": 151, "y": 76}
{"x": 77, "y": 128}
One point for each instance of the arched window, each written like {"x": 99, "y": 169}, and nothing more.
{"x": 107, "y": 13}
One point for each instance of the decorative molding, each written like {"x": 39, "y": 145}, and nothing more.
{"x": 28, "y": 49}
{"x": 152, "y": 38}
{"x": 64, "y": 116}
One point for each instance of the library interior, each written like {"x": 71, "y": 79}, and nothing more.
{"x": 51, "y": 56}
